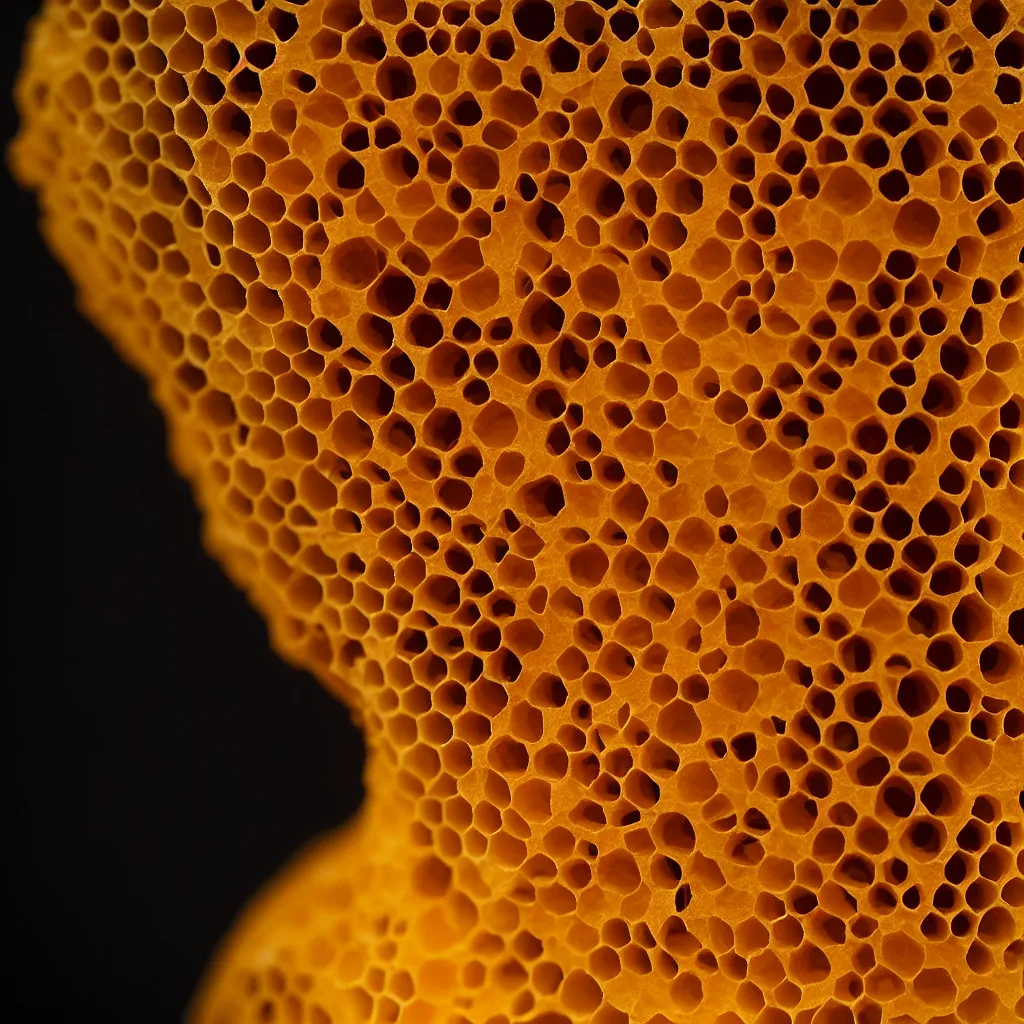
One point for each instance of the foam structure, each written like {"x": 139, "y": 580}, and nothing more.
{"x": 619, "y": 406}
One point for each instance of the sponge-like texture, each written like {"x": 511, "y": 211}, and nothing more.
{"x": 620, "y": 406}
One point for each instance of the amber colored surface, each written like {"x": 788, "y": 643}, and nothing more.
{"x": 621, "y": 409}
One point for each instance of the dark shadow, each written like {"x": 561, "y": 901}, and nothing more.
{"x": 163, "y": 763}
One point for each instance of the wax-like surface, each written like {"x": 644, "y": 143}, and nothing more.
{"x": 620, "y": 407}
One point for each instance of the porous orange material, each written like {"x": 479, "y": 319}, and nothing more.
{"x": 619, "y": 406}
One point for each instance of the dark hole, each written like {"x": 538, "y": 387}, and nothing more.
{"x": 438, "y": 295}
{"x": 875, "y": 153}
{"x": 913, "y": 55}
{"x": 938, "y": 398}
{"x": 903, "y": 374}
{"x": 971, "y": 325}
{"x": 669, "y": 75}
{"x": 893, "y": 186}
{"x": 925, "y": 836}
{"x": 939, "y": 735}
{"x": 990, "y": 220}
{"x": 872, "y": 438}
{"x": 385, "y": 135}
{"x": 696, "y": 45}
{"x": 807, "y": 126}
{"x": 989, "y": 17}
{"x": 564, "y": 57}
{"x": 872, "y": 771}
{"x": 1015, "y": 626}
{"x": 898, "y": 801}
{"x": 935, "y": 519}
{"x": 818, "y": 597}
{"x": 636, "y": 111}
{"x": 914, "y": 696}
{"x": 476, "y": 392}
{"x": 954, "y": 358}
{"x": 820, "y": 22}
{"x": 744, "y": 746}
{"x": 870, "y": 88}
{"x": 725, "y": 55}
{"x": 395, "y": 294}
{"x": 919, "y": 554}
{"x": 982, "y": 291}
{"x": 261, "y": 55}
{"x": 1010, "y": 51}
{"x": 942, "y": 654}
{"x": 909, "y": 88}
{"x": 534, "y": 19}
{"x": 955, "y": 869}
{"x": 741, "y": 23}
{"x": 967, "y": 552}
{"x": 892, "y": 401}
{"x": 1010, "y": 415}
{"x": 1009, "y": 183}
{"x": 283, "y": 23}
{"x": 356, "y": 140}
{"x": 944, "y": 899}
{"x": 933, "y": 321}
{"x": 683, "y": 898}
{"x": 866, "y": 705}
{"x": 624, "y": 24}
{"x": 974, "y": 185}
{"x": 401, "y": 367}
{"x": 467, "y": 112}
{"x": 844, "y": 737}
{"x": 896, "y": 470}
{"x": 923, "y": 619}
{"x": 883, "y": 295}
{"x": 856, "y": 654}
{"x": 947, "y": 580}
{"x": 970, "y": 838}
{"x": 913, "y": 436}
{"x": 371, "y": 44}
{"x": 879, "y": 555}
{"x": 915, "y": 159}
{"x": 809, "y": 186}
{"x": 961, "y": 924}
{"x": 550, "y": 403}
{"x": 894, "y": 120}
{"x": 351, "y": 175}
{"x": 792, "y": 160}
{"x": 951, "y": 480}
{"x": 793, "y": 522}
{"x": 844, "y": 53}
{"x": 881, "y": 57}
{"x": 412, "y": 41}
{"x": 426, "y": 330}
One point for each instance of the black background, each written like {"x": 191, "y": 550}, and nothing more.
{"x": 163, "y": 763}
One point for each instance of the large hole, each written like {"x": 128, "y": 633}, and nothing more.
{"x": 824, "y": 88}
{"x": 916, "y": 694}
{"x": 543, "y": 499}
{"x": 534, "y": 19}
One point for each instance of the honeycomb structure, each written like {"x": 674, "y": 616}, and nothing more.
{"x": 619, "y": 406}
